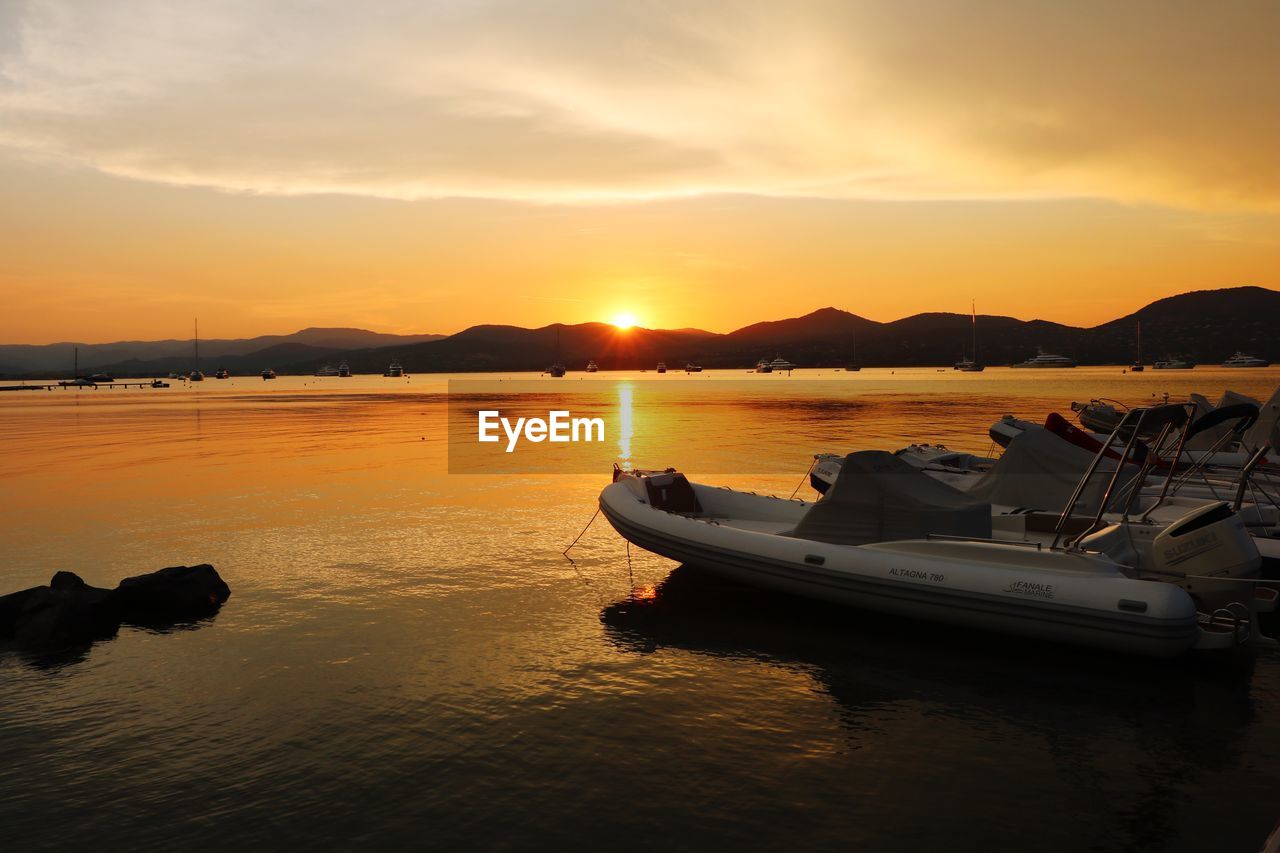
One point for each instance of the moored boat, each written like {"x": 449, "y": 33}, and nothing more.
{"x": 592, "y": 367}
{"x": 692, "y": 368}
{"x": 780, "y": 363}
{"x": 1242, "y": 360}
{"x": 1174, "y": 363}
{"x": 764, "y": 366}
{"x": 888, "y": 539}
{"x": 327, "y": 370}
{"x": 268, "y": 374}
{"x": 344, "y": 370}
{"x": 195, "y": 375}
{"x": 1137, "y": 366}
{"x": 1046, "y": 359}
{"x": 662, "y": 367}
{"x": 967, "y": 364}
{"x": 395, "y": 370}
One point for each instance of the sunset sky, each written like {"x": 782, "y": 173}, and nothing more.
{"x": 426, "y": 166}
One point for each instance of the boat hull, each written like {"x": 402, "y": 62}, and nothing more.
{"x": 978, "y": 585}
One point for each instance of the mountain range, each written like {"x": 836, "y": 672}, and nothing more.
{"x": 143, "y": 358}
{"x": 1205, "y": 325}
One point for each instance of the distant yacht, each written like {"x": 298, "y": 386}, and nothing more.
{"x": 1242, "y": 360}
{"x": 221, "y": 374}
{"x": 1173, "y": 363}
{"x": 692, "y": 368}
{"x": 395, "y": 371}
{"x": 100, "y": 377}
{"x": 662, "y": 367}
{"x": 1045, "y": 359}
{"x": 159, "y": 383}
{"x": 195, "y": 376}
{"x": 763, "y": 366}
{"x": 344, "y": 370}
{"x": 173, "y": 375}
{"x": 781, "y": 363}
{"x": 268, "y": 374}
{"x": 327, "y": 370}
{"x": 592, "y": 367}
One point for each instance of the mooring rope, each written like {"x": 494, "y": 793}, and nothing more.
{"x": 804, "y": 479}
{"x": 583, "y": 533}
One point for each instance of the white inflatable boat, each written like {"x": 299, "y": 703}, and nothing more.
{"x": 888, "y": 538}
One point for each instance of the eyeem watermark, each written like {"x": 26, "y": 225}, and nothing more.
{"x": 558, "y": 426}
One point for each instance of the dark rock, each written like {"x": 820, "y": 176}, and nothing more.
{"x": 170, "y": 595}
{"x": 67, "y": 580}
{"x": 65, "y": 615}
{"x": 10, "y": 606}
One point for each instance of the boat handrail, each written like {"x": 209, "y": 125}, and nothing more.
{"x": 953, "y": 538}
{"x": 1060, "y": 529}
{"x": 1247, "y": 471}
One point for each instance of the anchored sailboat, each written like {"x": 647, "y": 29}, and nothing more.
{"x": 558, "y": 369}
{"x": 971, "y": 365}
{"x": 196, "y": 375}
{"x": 1137, "y": 367}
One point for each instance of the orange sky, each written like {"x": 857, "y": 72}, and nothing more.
{"x": 443, "y": 164}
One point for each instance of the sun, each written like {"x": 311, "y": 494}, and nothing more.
{"x": 624, "y": 320}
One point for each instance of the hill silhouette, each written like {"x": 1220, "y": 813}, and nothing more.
{"x": 1206, "y": 325}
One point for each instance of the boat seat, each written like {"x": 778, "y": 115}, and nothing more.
{"x": 672, "y": 492}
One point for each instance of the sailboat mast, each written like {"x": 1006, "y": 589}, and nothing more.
{"x": 973, "y": 311}
{"x": 197, "y": 343}
{"x": 1139, "y": 341}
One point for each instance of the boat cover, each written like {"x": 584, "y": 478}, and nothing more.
{"x": 879, "y": 498}
{"x": 1265, "y": 426}
{"x": 1040, "y": 470}
{"x": 1208, "y": 439}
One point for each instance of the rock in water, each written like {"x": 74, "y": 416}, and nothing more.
{"x": 67, "y": 611}
{"x": 170, "y": 595}
{"x": 10, "y": 607}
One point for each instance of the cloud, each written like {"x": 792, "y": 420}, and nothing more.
{"x": 564, "y": 100}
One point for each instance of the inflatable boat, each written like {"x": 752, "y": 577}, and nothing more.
{"x": 888, "y": 538}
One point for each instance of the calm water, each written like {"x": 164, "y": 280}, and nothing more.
{"x": 406, "y": 658}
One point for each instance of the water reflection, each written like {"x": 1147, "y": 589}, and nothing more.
{"x": 626, "y": 427}
{"x": 1147, "y": 736}
{"x": 63, "y": 655}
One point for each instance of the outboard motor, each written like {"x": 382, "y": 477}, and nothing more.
{"x": 1205, "y": 544}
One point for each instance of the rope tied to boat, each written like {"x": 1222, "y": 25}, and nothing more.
{"x": 803, "y": 479}
{"x": 565, "y": 552}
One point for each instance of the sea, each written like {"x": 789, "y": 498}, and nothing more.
{"x": 409, "y": 659}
